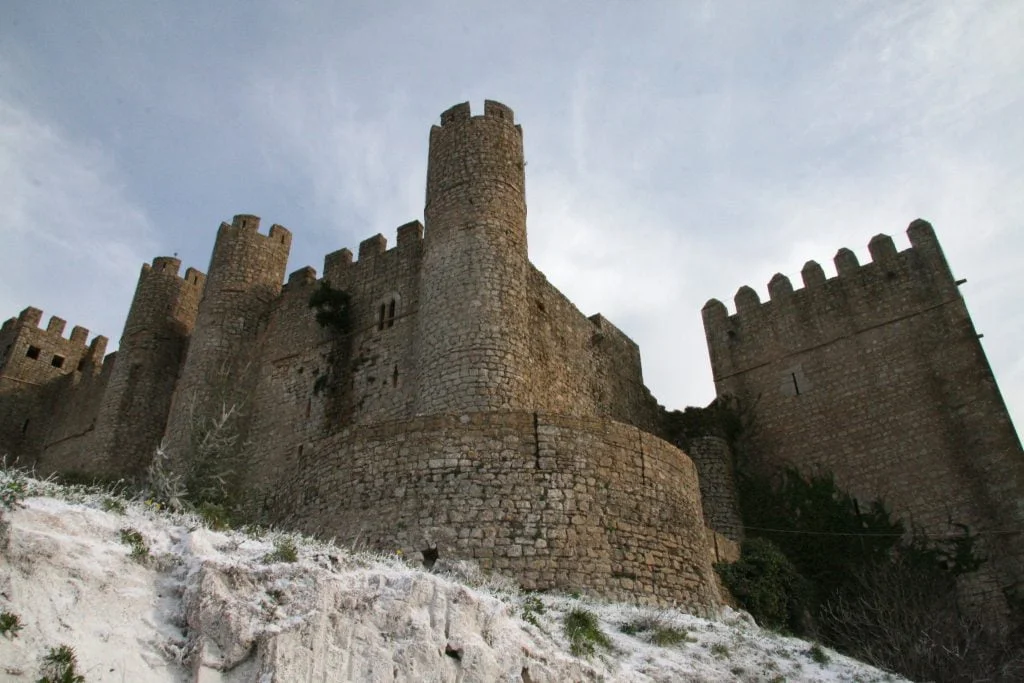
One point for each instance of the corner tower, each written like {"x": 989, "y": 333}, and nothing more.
{"x": 474, "y": 352}
{"x": 245, "y": 276}
{"x": 133, "y": 413}
{"x": 877, "y": 375}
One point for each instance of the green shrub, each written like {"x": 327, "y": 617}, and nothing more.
{"x": 823, "y": 530}
{"x": 134, "y": 540}
{"x": 818, "y": 654}
{"x": 332, "y": 307}
{"x": 217, "y": 516}
{"x": 13, "y": 489}
{"x": 10, "y": 624}
{"x": 59, "y": 666}
{"x": 115, "y": 505}
{"x": 766, "y": 584}
{"x": 285, "y": 550}
{"x": 584, "y": 633}
{"x": 872, "y": 592}
{"x": 532, "y": 607}
{"x": 657, "y": 628}
{"x": 668, "y": 635}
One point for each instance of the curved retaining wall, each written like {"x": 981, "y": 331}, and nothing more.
{"x": 557, "y": 502}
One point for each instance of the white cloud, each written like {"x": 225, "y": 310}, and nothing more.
{"x": 363, "y": 174}
{"x": 671, "y": 196}
{"x": 72, "y": 242}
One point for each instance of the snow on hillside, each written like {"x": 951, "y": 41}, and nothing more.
{"x": 208, "y": 606}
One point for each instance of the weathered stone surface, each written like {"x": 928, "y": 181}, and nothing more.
{"x": 877, "y": 375}
{"x": 469, "y": 408}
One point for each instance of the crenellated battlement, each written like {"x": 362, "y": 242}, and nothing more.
{"x": 300, "y": 278}
{"x": 34, "y": 354}
{"x": 31, "y": 318}
{"x": 460, "y": 363}
{"x": 892, "y": 285}
{"x": 170, "y": 265}
{"x": 462, "y": 112}
{"x": 250, "y": 224}
{"x": 340, "y": 267}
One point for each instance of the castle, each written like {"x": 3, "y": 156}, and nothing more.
{"x": 469, "y": 410}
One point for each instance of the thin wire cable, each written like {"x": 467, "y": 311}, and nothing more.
{"x": 986, "y": 532}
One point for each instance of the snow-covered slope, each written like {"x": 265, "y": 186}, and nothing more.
{"x": 210, "y": 606}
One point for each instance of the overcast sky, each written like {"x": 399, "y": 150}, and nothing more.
{"x": 675, "y": 150}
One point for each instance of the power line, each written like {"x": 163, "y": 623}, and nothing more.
{"x": 986, "y": 532}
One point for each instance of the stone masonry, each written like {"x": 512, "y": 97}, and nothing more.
{"x": 471, "y": 410}
{"x": 878, "y": 376}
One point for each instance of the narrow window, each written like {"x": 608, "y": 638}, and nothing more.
{"x": 309, "y": 406}
{"x": 58, "y": 361}
{"x": 380, "y": 317}
{"x": 796, "y": 385}
{"x": 33, "y": 352}
{"x": 24, "y": 427}
{"x": 394, "y": 377}
{"x": 81, "y": 365}
{"x": 300, "y": 450}
{"x": 391, "y": 313}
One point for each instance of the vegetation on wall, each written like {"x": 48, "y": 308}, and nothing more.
{"x": 723, "y": 418}
{"x": 202, "y": 477}
{"x": 821, "y": 564}
{"x": 767, "y": 585}
{"x": 333, "y": 307}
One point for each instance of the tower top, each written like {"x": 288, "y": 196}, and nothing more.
{"x": 492, "y": 109}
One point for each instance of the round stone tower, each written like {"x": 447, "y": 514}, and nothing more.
{"x": 473, "y": 351}
{"x": 245, "y": 276}
{"x": 133, "y": 415}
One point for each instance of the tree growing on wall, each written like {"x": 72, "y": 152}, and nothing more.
{"x": 201, "y": 477}
{"x": 333, "y": 307}
{"x": 873, "y": 591}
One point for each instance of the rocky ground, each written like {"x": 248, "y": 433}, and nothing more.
{"x": 180, "y": 602}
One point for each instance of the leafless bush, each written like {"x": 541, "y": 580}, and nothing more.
{"x": 907, "y": 619}
{"x": 202, "y": 470}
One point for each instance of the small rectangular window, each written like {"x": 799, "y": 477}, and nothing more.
{"x": 58, "y": 361}
{"x": 33, "y": 352}
{"x": 81, "y": 365}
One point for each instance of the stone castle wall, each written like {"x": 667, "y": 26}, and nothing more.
{"x": 472, "y": 409}
{"x": 877, "y": 376}
{"x": 713, "y": 458}
{"x": 559, "y": 502}
{"x": 72, "y": 404}
{"x": 33, "y": 363}
{"x": 581, "y": 365}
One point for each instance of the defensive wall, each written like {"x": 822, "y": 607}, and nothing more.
{"x": 47, "y": 386}
{"x": 560, "y": 502}
{"x": 469, "y": 409}
{"x": 878, "y": 376}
